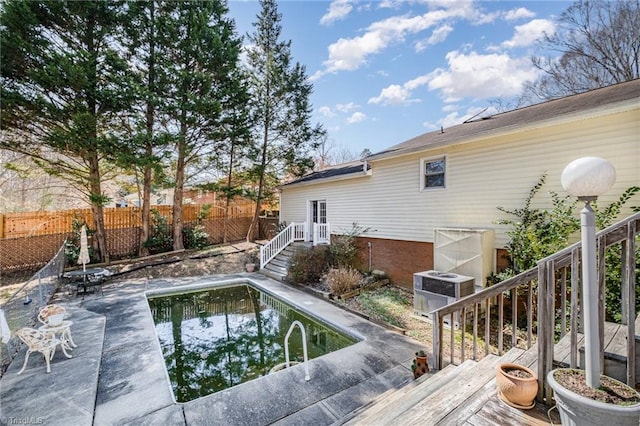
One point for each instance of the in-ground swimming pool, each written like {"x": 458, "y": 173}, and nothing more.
{"x": 217, "y": 338}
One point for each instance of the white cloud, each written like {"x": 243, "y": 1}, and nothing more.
{"x": 479, "y": 76}
{"x": 438, "y": 35}
{"x": 519, "y": 13}
{"x": 326, "y": 111}
{"x": 338, "y": 9}
{"x": 392, "y": 95}
{"x": 399, "y": 95}
{"x": 349, "y": 54}
{"x": 346, "y": 107}
{"x": 356, "y": 117}
{"x": 527, "y": 34}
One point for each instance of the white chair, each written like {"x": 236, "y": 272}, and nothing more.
{"x": 51, "y": 314}
{"x": 37, "y": 341}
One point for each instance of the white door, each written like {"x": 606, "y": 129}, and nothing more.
{"x": 317, "y": 214}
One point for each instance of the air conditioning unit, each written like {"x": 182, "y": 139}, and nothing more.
{"x": 433, "y": 290}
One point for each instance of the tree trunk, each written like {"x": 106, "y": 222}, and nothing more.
{"x": 92, "y": 158}
{"x": 178, "y": 193}
{"x": 150, "y": 119}
{"x": 252, "y": 234}
{"x": 96, "y": 208}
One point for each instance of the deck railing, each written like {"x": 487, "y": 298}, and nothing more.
{"x": 542, "y": 306}
{"x": 293, "y": 232}
{"x": 321, "y": 233}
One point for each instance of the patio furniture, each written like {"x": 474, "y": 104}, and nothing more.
{"x": 37, "y": 341}
{"x": 63, "y": 331}
{"x": 86, "y": 278}
{"x": 52, "y": 314}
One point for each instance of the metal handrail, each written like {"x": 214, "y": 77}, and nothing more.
{"x": 307, "y": 377}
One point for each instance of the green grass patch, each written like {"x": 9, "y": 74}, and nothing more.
{"x": 385, "y": 304}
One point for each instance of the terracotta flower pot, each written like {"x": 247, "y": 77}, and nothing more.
{"x": 420, "y": 366}
{"x": 517, "y": 385}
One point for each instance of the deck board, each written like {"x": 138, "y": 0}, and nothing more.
{"x": 471, "y": 398}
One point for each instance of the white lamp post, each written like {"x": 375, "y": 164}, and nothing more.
{"x": 586, "y": 178}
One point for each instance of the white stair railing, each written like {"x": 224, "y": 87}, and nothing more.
{"x": 307, "y": 377}
{"x": 321, "y": 233}
{"x": 293, "y": 232}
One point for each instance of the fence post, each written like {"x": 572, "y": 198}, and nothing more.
{"x": 1, "y": 225}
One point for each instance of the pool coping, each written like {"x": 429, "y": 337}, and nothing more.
{"x": 133, "y": 386}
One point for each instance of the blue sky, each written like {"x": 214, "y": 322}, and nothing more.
{"x": 387, "y": 71}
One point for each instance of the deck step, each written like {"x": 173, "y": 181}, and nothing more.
{"x": 390, "y": 397}
{"x": 453, "y": 394}
{"x": 406, "y": 399}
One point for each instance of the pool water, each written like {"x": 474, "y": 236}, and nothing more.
{"x": 215, "y": 339}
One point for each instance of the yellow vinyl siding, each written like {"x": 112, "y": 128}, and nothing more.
{"x": 480, "y": 176}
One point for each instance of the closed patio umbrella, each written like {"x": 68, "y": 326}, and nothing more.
{"x": 84, "y": 248}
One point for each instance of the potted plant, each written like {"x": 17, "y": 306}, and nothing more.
{"x": 420, "y": 365}
{"x": 517, "y": 385}
{"x": 580, "y": 404}
{"x": 251, "y": 262}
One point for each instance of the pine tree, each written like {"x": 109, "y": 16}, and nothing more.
{"x": 62, "y": 88}
{"x": 147, "y": 141}
{"x": 280, "y": 104}
{"x": 204, "y": 50}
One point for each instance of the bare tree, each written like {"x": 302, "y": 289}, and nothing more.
{"x": 599, "y": 45}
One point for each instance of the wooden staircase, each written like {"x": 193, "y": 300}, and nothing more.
{"x": 465, "y": 394}
{"x": 278, "y": 267}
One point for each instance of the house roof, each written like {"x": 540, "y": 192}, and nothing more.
{"x": 601, "y": 100}
{"x": 338, "y": 171}
{"x": 567, "y": 107}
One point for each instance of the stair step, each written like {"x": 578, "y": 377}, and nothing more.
{"x": 453, "y": 394}
{"x": 391, "y": 406}
{"x": 279, "y": 261}
{"x": 391, "y": 397}
{"x": 273, "y": 275}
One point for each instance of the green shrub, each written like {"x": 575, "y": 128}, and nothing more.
{"x": 342, "y": 280}
{"x": 308, "y": 264}
{"x": 343, "y": 247}
{"x": 195, "y": 237}
{"x": 161, "y": 238}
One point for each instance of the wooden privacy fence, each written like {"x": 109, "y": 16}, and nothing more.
{"x": 31, "y": 239}
{"x": 28, "y": 224}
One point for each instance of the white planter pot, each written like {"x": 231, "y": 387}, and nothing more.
{"x": 576, "y": 410}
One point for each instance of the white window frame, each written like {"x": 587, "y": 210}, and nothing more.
{"x": 423, "y": 172}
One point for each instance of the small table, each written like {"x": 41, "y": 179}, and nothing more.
{"x": 85, "y": 278}
{"x": 64, "y": 331}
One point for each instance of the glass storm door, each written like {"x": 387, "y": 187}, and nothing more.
{"x": 317, "y": 214}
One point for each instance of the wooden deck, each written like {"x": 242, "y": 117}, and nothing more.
{"x": 462, "y": 395}
{"x": 615, "y": 349}
{"x": 467, "y": 394}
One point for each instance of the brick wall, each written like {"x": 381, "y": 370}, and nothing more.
{"x": 399, "y": 259}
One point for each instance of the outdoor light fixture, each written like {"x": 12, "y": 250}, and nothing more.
{"x": 587, "y": 178}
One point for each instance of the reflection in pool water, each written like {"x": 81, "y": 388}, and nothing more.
{"x": 215, "y": 339}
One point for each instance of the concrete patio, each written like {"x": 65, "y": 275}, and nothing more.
{"x": 117, "y": 374}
